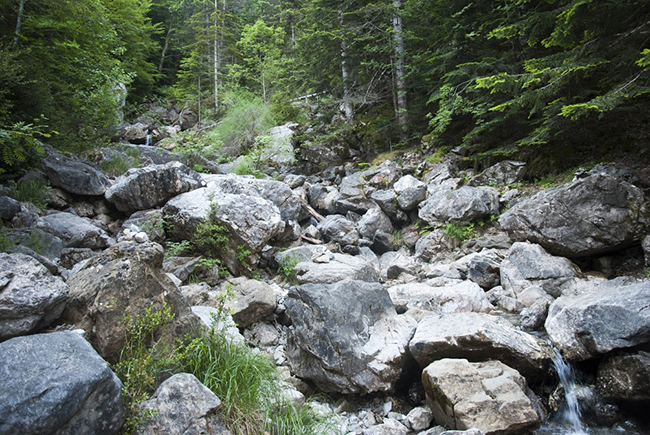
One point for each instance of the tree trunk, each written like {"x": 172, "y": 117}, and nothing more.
{"x": 347, "y": 105}
{"x": 19, "y": 19}
{"x": 400, "y": 73}
{"x": 165, "y": 47}
{"x": 199, "y": 110}
{"x": 217, "y": 56}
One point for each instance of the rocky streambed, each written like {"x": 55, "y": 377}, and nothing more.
{"x": 416, "y": 298}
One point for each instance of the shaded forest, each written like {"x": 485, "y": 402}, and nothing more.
{"x": 552, "y": 82}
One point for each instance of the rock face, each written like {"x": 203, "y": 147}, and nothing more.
{"x": 501, "y": 174}
{"x": 30, "y": 297}
{"x": 182, "y": 406}
{"x": 613, "y": 316}
{"x": 461, "y": 205}
{"x": 126, "y": 279}
{"x": 463, "y": 296}
{"x": 57, "y": 384}
{"x": 253, "y": 301}
{"x": 74, "y": 231}
{"x": 625, "y": 377}
{"x": 478, "y": 337}
{"x": 329, "y": 268}
{"x": 151, "y": 186}
{"x": 589, "y": 216}
{"x": 489, "y": 396}
{"x": 74, "y": 175}
{"x": 340, "y": 350}
{"x": 528, "y": 264}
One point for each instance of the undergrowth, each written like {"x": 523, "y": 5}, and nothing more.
{"x": 34, "y": 191}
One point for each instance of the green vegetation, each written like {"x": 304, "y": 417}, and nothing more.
{"x": 5, "y": 243}
{"x": 461, "y": 232}
{"x": 210, "y": 236}
{"x": 115, "y": 166}
{"x": 288, "y": 265}
{"x": 178, "y": 249}
{"x": 34, "y": 191}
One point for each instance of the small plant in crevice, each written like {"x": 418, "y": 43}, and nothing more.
{"x": 287, "y": 266}
{"x": 178, "y": 249}
{"x": 5, "y": 242}
{"x": 34, "y": 191}
{"x": 461, "y": 232}
{"x": 210, "y": 236}
{"x": 115, "y": 166}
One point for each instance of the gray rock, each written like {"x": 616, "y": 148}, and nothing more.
{"x": 435, "y": 246}
{"x": 126, "y": 279}
{"x": 323, "y": 198}
{"x": 462, "y": 205}
{"x": 485, "y": 271}
{"x": 252, "y": 301}
{"x": 30, "y": 297}
{"x": 387, "y": 201}
{"x": 337, "y": 267}
{"x": 338, "y": 228}
{"x": 9, "y": 207}
{"x": 388, "y": 427}
{"x": 505, "y": 299}
{"x": 478, "y": 337}
{"x": 221, "y": 322}
{"x": 340, "y": 350}
{"x": 586, "y": 217}
{"x": 74, "y": 175}
{"x": 529, "y": 264}
{"x": 645, "y": 244}
{"x": 74, "y": 231}
{"x": 410, "y": 192}
{"x": 151, "y": 186}
{"x": 457, "y": 297}
{"x": 135, "y": 133}
{"x": 489, "y": 396}
{"x": 182, "y": 406}
{"x": 420, "y": 418}
{"x": 57, "y": 384}
{"x": 613, "y": 316}
{"x": 393, "y": 264}
{"x": 151, "y": 155}
{"x": 625, "y": 377}
{"x": 501, "y": 174}
{"x": 534, "y": 316}
{"x": 352, "y": 194}
{"x": 294, "y": 181}
{"x": 42, "y": 242}
{"x": 373, "y": 221}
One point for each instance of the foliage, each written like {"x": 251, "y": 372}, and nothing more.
{"x": 287, "y": 266}
{"x": 34, "y": 191}
{"x": 461, "y": 232}
{"x": 143, "y": 362}
{"x": 177, "y": 249}
{"x": 210, "y": 236}
{"x": 22, "y": 144}
{"x": 115, "y": 166}
{"x": 5, "y": 242}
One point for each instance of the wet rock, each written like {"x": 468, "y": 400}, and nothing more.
{"x": 478, "y": 337}
{"x": 589, "y": 216}
{"x": 625, "y": 377}
{"x": 57, "y": 384}
{"x": 489, "y": 396}
{"x": 339, "y": 350}
{"x": 30, "y": 297}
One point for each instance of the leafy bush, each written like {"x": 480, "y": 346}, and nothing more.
{"x": 288, "y": 265}
{"x": 21, "y": 144}
{"x": 177, "y": 249}
{"x": 461, "y": 232}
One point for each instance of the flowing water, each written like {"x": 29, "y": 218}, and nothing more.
{"x": 147, "y": 140}
{"x": 569, "y": 416}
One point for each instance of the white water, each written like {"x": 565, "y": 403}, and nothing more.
{"x": 569, "y": 416}
{"x": 147, "y": 140}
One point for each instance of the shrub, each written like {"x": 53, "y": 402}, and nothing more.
{"x": 115, "y": 166}
{"x": 210, "y": 236}
{"x": 34, "y": 191}
{"x": 177, "y": 249}
{"x": 462, "y": 232}
{"x": 288, "y": 265}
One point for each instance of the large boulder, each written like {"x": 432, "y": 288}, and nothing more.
{"x": 586, "y": 217}
{"x": 135, "y": 133}
{"x": 252, "y": 300}
{"x": 57, "y": 384}
{"x": 74, "y": 231}
{"x": 462, "y": 205}
{"x": 250, "y": 221}
{"x": 501, "y": 174}
{"x": 151, "y": 186}
{"x": 346, "y": 337}
{"x": 455, "y": 297}
{"x": 328, "y": 268}
{"x": 9, "y": 208}
{"x": 74, "y": 175}
{"x": 125, "y": 280}
{"x": 182, "y": 406}
{"x": 488, "y": 395}
{"x": 478, "y": 337}
{"x": 339, "y": 229}
{"x": 614, "y": 315}
{"x": 528, "y": 264}
{"x": 373, "y": 221}
{"x": 30, "y": 297}
{"x": 410, "y": 192}
{"x": 625, "y": 377}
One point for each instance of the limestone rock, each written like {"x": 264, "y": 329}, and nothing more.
{"x": 337, "y": 267}
{"x": 74, "y": 231}
{"x": 30, "y": 297}
{"x": 372, "y": 222}
{"x": 457, "y": 297}
{"x": 462, "y": 205}
{"x": 488, "y": 395}
{"x": 501, "y": 174}
{"x": 625, "y": 377}
{"x": 74, "y": 175}
{"x": 253, "y": 300}
{"x": 340, "y": 350}
{"x": 410, "y": 192}
{"x": 57, "y": 384}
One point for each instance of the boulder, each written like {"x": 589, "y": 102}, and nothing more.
{"x": 323, "y": 198}
{"x": 501, "y": 174}
{"x": 182, "y": 406}
{"x": 462, "y": 205}
{"x": 586, "y": 217}
{"x": 252, "y": 301}
{"x": 74, "y": 231}
{"x": 352, "y": 194}
{"x": 125, "y": 280}
{"x": 393, "y": 264}
{"x": 30, "y": 297}
{"x": 625, "y": 377}
{"x": 487, "y": 395}
{"x": 57, "y": 384}
{"x": 220, "y": 321}
{"x": 387, "y": 201}
{"x": 457, "y": 297}
{"x": 339, "y": 229}
{"x": 410, "y": 192}
{"x": 346, "y": 337}
{"x": 329, "y": 268}
{"x": 135, "y": 133}
{"x": 74, "y": 176}
{"x": 478, "y": 337}
{"x": 528, "y": 264}
{"x": 9, "y": 208}
{"x": 250, "y": 221}
{"x": 615, "y": 315}
{"x": 46, "y": 244}
{"x": 373, "y": 221}
{"x": 485, "y": 271}
{"x": 151, "y": 186}
{"x": 435, "y": 246}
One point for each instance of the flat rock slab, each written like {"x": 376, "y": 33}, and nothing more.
{"x": 489, "y": 396}
{"x": 478, "y": 337}
{"x": 57, "y": 384}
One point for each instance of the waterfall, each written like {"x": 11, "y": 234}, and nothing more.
{"x": 570, "y": 416}
{"x": 147, "y": 140}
